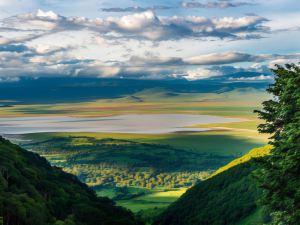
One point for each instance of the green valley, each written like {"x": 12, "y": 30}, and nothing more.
{"x": 141, "y": 171}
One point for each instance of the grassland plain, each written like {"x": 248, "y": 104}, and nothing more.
{"x": 230, "y": 142}
{"x": 238, "y": 103}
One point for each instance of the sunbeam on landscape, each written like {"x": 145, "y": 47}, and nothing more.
{"x": 149, "y": 112}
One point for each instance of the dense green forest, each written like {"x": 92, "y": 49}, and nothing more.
{"x": 109, "y": 163}
{"x": 226, "y": 198}
{"x": 34, "y": 193}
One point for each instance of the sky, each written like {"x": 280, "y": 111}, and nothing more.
{"x": 158, "y": 39}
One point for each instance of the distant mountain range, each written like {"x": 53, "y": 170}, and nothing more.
{"x": 76, "y": 89}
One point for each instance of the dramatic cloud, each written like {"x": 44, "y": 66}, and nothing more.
{"x": 22, "y": 60}
{"x": 201, "y": 73}
{"x": 225, "y": 58}
{"x": 155, "y": 61}
{"x": 143, "y": 44}
{"x": 145, "y": 25}
{"x": 222, "y": 4}
{"x": 283, "y": 61}
{"x": 136, "y": 8}
{"x": 251, "y": 79}
{"x": 209, "y": 59}
{"x": 18, "y": 38}
{"x": 230, "y": 74}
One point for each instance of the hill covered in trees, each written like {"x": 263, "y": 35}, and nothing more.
{"x": 109, "y": 163}
{"x": 32, "y": 192}
{"x": 226, "y": 198}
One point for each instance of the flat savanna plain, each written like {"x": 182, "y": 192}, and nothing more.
{"x": 148, "y": 171}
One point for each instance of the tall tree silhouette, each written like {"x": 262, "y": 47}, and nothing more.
{"x": 279, "y": 175}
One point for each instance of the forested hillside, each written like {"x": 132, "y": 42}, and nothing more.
{"x": 34, "y": 193}
{"x": 254, "y": 153}
{"x": 226, "y": 198}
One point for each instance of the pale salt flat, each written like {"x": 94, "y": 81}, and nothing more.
{"x": 133, "y": 123}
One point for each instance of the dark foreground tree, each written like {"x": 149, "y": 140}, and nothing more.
{"x": 279, "y": 175}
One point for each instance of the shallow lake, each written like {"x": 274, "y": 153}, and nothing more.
{"x": 147, "y": 124}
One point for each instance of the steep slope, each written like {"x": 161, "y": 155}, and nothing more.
{"x": 226, "y": 198}
{"x": 254, "y": 153}
{"x": 32, "y": 192}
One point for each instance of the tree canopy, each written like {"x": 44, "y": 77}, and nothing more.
{"x": 279, "y": 173}
{"x": 32, "y": 192}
